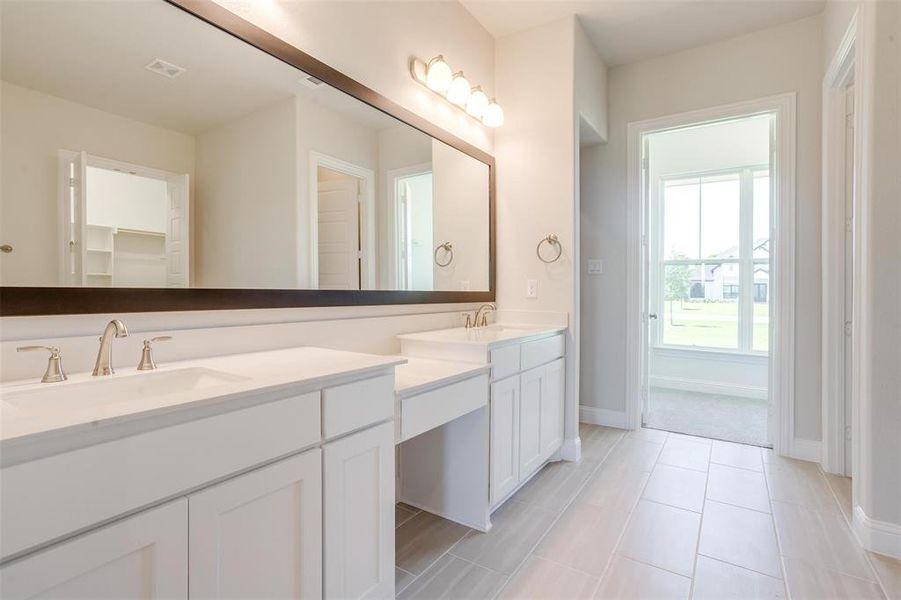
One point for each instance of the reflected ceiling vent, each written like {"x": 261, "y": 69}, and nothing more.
{"x": 166, "y": 69}
{"x": 310, "y": 81}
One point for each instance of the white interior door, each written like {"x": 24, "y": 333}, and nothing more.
{"x": 73, "y": 214}
{"x": 178, "y": 232}
{"x": 339, "y": 234}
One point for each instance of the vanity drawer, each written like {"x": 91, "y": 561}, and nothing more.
{"x": 51, "y": 497}
{"x": 542, "y": 351}
{"x": 504, "y": 361}
{"x": 422, "y": 412}
{"x": 354, "y": 405}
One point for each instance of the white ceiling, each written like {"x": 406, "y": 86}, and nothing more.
{"x": 94, "y": 52}
{"x": 626, "y": 31}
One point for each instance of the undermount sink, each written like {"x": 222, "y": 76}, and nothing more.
{"x": 116, "y": 389}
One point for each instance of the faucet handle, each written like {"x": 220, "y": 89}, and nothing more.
{"x": 54, "y": 372}
{"x": 468, "y": 323}
{"x": 147, "y": 363}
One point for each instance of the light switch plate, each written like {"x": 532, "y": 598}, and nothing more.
{"x": 595, "y": 266}
{"x": 531, "y": 288}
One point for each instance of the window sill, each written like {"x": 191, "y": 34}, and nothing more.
{"x": 710, "y": 354}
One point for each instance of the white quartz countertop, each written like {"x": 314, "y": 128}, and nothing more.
{"x": 26, "y": 415}
{"x": 420, "y": 375}
{"x": 490, "y": 336}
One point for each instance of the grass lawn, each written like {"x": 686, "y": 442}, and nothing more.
{"x": 711, "y": 324}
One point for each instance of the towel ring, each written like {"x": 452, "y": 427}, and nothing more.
{"x": 448, "y": 249}
{"x": 553, "y": 241}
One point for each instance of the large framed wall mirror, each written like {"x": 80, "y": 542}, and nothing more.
{"x": 167, "y": 155}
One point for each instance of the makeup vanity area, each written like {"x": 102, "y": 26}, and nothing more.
{"x": 269, "y": 473}
{"x": 263, "y": 460}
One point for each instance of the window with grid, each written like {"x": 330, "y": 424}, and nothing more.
{"x": 714, "y": 260}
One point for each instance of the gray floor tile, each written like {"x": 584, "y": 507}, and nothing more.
{"x": 516, "y": 528}
{"x": 423, "y": 539}
{"x": 453, "y": 577}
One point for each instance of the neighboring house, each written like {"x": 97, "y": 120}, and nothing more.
{"x": 721, "y": 281}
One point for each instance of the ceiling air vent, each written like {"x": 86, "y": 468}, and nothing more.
{"x": 166, "y": 69}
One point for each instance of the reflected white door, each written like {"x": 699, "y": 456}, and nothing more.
{"x": 339, "y": 234}
{"x": 72, "y": 214}
{"x": 178, "y": 232}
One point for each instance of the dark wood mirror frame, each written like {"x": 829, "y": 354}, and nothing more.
{"x": 30, "y": 301}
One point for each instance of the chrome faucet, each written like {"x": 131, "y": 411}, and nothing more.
{"x": 104, "y": 364}
{"x": 481, "y": 318}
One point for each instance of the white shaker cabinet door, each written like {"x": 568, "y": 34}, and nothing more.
{"x": 359, "y": 514}
{"x": 504, "y": 461}
{"x": 531, "y": 390}
{"x": 552, "y": 408}
{"x": 144, "y": 556}
{"x": 259, "y": 535}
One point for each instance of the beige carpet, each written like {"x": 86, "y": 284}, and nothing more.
{"x": 729, "y": 418}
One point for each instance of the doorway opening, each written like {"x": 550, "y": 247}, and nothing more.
{"x": 121, "y": 224}
{"x": 413, "y": 205}
{"x": 342, "y": 225}
{"x": 708, "y": 190}
{"x": 340, "y": 249}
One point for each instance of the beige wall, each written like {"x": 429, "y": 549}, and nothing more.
{"x": 373, "y": 42}
{"x": 460, "y": 190}
{"x": 245, "y": 201}
{"x": 34, "y": 126}
{"x": 773, "y": 61}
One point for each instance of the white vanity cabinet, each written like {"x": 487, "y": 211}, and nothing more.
{"x": 143, "y": 556}
{"x": 259, "y": 535}
{"x": 269, "y": 493}
{"x": 526, "y": 414}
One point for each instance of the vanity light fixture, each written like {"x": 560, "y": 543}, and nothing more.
{"x": 494, "y": 114}
{"x": 478, "y": 102}
{"x": 459, "y": 91}
{"x": 438, "y": 76}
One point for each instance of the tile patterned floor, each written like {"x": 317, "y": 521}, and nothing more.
{"x": 649, "y": 514}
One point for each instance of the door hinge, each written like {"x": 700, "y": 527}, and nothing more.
{"x": 847, "y": 327}
{"x": 359, "y": 254}
{"x": 848, "y": 432}
{"x": 72, "y": 182}
{"x": 849, "y": 225}
{"x": 645, "y": 163}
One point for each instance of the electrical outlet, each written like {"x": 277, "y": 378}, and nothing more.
{"x": 531, "y": 288}
{"x": 595, "y": 266}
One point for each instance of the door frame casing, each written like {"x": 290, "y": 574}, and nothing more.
{"x": 835, "y": 229}
{"x": 367, "y": 216}
{"x": 782, "y": 321}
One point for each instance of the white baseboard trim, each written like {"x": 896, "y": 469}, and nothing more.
{"x": 708, "y": 387}
{"x": 802, "y": 449}
{"x": 881, "y": 537}
{"x": 571, "y": 451}
{"x": 603, "y": 416}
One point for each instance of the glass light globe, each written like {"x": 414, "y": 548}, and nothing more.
{"x": 478, "y": 102}
{"x": 494, "y": 114}
{"x": 459, "y": 91}
{"x": 438, "y": 74}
